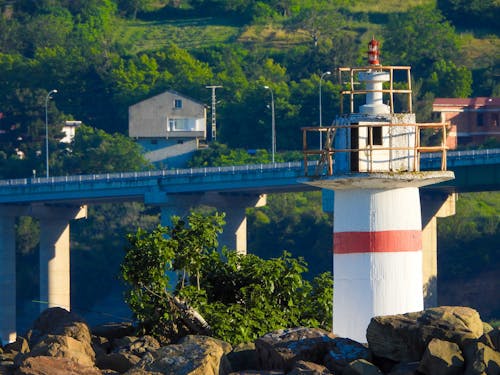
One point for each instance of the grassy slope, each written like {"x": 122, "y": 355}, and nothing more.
{"x": 367, "y": 20}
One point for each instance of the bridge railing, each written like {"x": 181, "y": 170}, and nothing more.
{"x": 454, "y": 158}
{"x": 121, "y": 176}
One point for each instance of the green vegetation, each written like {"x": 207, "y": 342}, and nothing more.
{"x": 240, "y": 297}
{"x": 104, "y": 55}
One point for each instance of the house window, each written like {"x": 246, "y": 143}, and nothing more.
{"x": 178, "y": 124}
{"x": 177, "y": 103}
{"x": 480, "y": 119}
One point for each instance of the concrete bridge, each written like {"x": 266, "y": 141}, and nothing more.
{"x": 57, "y": 200}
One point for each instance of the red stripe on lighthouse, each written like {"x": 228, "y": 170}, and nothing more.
{"x": 377, "y": 242}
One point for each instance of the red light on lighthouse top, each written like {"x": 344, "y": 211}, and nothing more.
{"x": 373, "y": 52}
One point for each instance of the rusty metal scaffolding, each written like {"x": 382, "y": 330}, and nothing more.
{"x": 326, "y": 155}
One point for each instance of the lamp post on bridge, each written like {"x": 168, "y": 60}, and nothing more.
{"x": 273, "y": 124}
{"x": 47, "y": 132}
{"x": 320, "y": 110}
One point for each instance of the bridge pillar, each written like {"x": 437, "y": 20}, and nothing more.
{"x": 7, "y": 275}
{"x": 54, "y": 252}
{"x": 433, "y": 205}
{"x": 233, "y": 204}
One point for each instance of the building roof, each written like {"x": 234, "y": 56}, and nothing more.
{"x": 466, "y": 102}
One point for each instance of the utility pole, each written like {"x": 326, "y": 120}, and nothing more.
{"x": 214, "y": 125}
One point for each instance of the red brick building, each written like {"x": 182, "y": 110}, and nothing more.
{"x": 473, "y": 120}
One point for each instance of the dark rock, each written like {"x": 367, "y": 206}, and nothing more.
{"x": 308, "y": 368}
{"x": 494, "y": 338}
{"x": 101, "y": 345}
{"x": 141, "y": 346}
{"x": 480, "y": 359}
{"x": 404, "y": 338}
{"x": 442, "y": 357}
{"x": 6, "y": 368}
{"x": 343, "y": 351}
{"x": 404, "y": 368}
{"x": 243, "y": 357}
{"x": 254, "y": 372}
{"x": 122, "y": 342}
{"x": 120, "y": 362}
{"x": 279, "y": 350}
{"x": 113, "y": 330}
{"x": 361, "y": 367}
{"x": 54, "y": 366}
{"x": 18, "y": 346}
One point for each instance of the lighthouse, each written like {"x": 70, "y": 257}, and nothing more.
{"x": 371, "y": 161}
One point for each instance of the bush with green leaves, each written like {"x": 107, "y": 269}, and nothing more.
{"x": 240, "y": 296}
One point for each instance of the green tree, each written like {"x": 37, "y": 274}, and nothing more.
{"x": 419, "y": 38}
{"x": 95, "y": 151}
{"x": 241, "y": 297}
{"x": 449, "y": 81}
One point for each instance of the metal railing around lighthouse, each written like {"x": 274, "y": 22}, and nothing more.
{"x": 326, "y": 154}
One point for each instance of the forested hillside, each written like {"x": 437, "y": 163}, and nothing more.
{"x": 104, "y": 55}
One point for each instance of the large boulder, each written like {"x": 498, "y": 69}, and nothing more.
{"x": 343, "y": 351}
{"x": 243, "y": 357}
{"x": 62, "y": 347}
{"x": 44, "y": 365}
{"x": 280, "y": 349}
{"x": 195, "y": 355}
{"x": 480, "y": 359}
{"x": 58, "y": 321}
{"x": 404, "y": 338}
{"x": 442, "y": 357}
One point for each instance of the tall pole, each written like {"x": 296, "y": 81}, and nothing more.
{"x": 320, "y": 110}
{"x": 214, "y": 124}
{"x": 47, "y": 132}
{"x": 273, "y": 124}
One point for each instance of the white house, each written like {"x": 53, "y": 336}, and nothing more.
{"x": 169, "y": 126}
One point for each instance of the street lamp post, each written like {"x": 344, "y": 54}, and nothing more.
{"x": 320, "y": 110}
{"x": 47, "y": 132}
{"x": 273, "y": 124}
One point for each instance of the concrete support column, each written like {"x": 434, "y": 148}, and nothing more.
{"x": 433, "y": 205}
{"x": 54, "y": 253}
{"x": 7, "y": 278}
{"x": 234, "y": 236}
{"x": 234, "y": 206}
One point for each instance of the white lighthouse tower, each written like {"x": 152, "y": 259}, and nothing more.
{"x": 371, "y": 157}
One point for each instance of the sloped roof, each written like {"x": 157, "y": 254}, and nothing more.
{"x": 467, "y": 102}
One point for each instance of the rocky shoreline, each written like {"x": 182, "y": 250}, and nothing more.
{"x": 438, "y": 341}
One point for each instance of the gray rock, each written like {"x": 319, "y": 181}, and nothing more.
{"x": 361, "y": 367}
{"x": 442, "y": 357}
{"x": 404, "y": 338}
{"x": 343, "y": 351}
{"x": 198, "y": 355}
{"x": 279, "y": 350}
{"x": 62, "y": 347}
